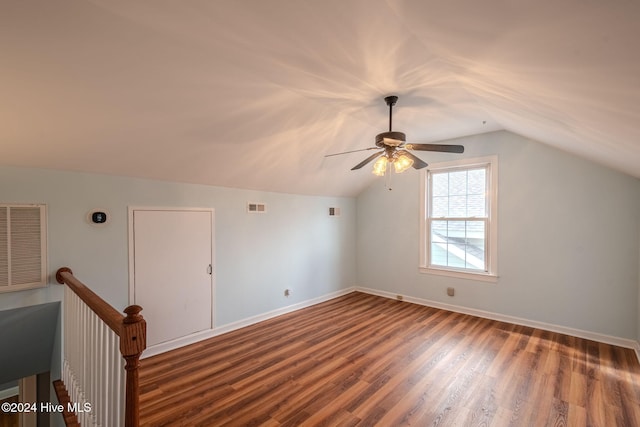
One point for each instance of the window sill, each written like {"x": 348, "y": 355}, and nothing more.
{"x": 482, "y": 277}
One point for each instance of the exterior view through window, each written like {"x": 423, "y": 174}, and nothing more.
{"x": 459, "y": 221}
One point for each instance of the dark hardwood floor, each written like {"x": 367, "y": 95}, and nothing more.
{"x": 366, "y": 360}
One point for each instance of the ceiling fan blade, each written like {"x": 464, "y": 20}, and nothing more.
{"x": 417, "y": 161}
{"x": 436, "y": 147}
{"x": 367, "y": 160}
{"x": 352, "y": 151}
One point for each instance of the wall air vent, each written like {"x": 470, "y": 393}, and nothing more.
{"x": 23, "y": 247}
{"x": 256, "y": 207}
{"x": 334, "y": 211}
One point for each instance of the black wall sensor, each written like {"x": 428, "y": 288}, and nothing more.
{"x": 98, "y": 217}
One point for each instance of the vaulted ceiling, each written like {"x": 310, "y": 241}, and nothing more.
{"x": 254, "y": 93}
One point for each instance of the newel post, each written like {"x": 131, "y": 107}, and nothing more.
{"x": 133, "y": 341}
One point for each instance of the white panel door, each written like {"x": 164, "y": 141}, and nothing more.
{"x": 172, "y": 276}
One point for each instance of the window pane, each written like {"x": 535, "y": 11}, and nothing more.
{"x": 476, "y": 205}
{"x": 440, "y": 184}
{"x": 438, "y": 231}
{"x": 438, "y": 254}
{"x": 445, "y": 250}
{"x": 475, "y": 245}
{"x": 458, "y": 244}
{"x": 440, "y": 206}
{"x": 459, "y": 194}
{"x": 457, "y": 183}
{"x": 457, "y": 206}
{"x": 456, "y": 230}
{"x": 439, "y": 243}
{"x": 476, "y": 181}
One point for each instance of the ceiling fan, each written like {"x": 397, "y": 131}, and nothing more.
{"x": 395, "y": 149}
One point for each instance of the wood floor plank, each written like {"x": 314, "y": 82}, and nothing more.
{"x": 363, "y": 360}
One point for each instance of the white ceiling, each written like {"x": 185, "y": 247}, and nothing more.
{"x": 253, "y": 93}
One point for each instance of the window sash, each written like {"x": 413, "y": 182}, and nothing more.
{"x": 474, "y": 260}
{"x": 489, "y": 164}
{"x": 452, "y": 195}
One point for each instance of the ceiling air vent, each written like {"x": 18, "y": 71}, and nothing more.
{"x": 256, "y": 207}
{"x": 334, "y": 211}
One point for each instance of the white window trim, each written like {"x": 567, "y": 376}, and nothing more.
{"x": 492, "y": 274}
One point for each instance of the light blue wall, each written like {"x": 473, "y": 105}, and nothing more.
{"x": 294, "y": 245}
{"x": 568, "y": 239}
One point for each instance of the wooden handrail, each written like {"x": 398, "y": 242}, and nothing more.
{"x": 109, "y": 315}
{"x": 132, "y": 330}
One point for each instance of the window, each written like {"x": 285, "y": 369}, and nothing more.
{"x": 22, "y": 247}
{"x": 459, "y": 214}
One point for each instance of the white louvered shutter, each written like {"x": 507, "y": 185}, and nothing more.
{"x": 22, "y": 247}
{"x": 4, "y": 247}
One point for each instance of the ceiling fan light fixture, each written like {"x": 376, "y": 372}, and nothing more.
{"x": 396, "y": 150}
{"x": 380, "y": 166}
{"x": 402, "y": 163}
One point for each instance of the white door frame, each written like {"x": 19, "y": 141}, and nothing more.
{"x": 199, "y": 335}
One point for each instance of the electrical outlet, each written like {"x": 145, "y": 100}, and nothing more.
{"x": 451, "y": 292}
{"x": 287, "y": 292}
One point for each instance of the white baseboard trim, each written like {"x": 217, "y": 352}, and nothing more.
{"x": 191, "y": 339}
{"x": 203, "y": 335}
{"x": 579, "y": 333}
{"x": 177, "y": 343}
{"x": 278, "y": 312}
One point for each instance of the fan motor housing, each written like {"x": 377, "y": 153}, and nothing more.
{"x": 397, "y": 137}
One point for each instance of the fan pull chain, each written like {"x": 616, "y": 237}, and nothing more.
{"x": 387, "y": 179}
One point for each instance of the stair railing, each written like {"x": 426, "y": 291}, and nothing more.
{"x": 102, "y": 351}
